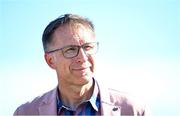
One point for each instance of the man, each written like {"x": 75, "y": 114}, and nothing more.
{"x": 70, "y": 47}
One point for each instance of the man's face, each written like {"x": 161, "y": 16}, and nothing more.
{"x": 80, "y": 69}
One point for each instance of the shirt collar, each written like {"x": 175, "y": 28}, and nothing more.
{"x": 94, "y": 99}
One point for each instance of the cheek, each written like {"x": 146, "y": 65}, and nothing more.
{"x": 63, "y": 67}
{"x": 92, "y": 61}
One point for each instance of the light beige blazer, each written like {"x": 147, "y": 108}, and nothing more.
{"x": 113, "y": 103}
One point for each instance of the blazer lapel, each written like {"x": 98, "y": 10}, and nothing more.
{"x": 48, "y": 106}
{"x": 47, "y": 109}
{"x": 108, "y": 108}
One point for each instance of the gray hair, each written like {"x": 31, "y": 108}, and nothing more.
{"x": 60, "y": 21}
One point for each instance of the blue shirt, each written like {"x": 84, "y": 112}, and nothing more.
{"x": 89, "y": 107}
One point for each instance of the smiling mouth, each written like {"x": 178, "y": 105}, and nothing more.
{"x": 81, "y": 69}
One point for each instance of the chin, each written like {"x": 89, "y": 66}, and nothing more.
{"x": 85, "y": 79}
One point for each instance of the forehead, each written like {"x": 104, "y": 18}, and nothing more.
{"x": 73, "y": 35}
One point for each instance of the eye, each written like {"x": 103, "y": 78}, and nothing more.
{"x": 88, "y": 47}
{"x": 70, "y": 49}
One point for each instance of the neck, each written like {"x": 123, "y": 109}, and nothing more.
{"x": 72, "y": 95}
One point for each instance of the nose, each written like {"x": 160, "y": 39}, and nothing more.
{"x": 82, "y": 56}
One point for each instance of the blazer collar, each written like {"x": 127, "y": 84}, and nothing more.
{"x": 107, "y": 106}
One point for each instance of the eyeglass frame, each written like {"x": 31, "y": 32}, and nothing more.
{"x": 81, "y": 46}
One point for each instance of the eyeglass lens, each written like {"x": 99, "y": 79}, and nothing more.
{"x": 73, "y": 50}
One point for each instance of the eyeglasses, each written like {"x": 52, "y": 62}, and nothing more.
{"x": 72, "y": 51}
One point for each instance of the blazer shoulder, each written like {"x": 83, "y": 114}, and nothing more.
{"x": 32, "y": 107}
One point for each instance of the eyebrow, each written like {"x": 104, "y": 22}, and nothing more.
{"x": 71, "y": 46}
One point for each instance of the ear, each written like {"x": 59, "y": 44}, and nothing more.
{"x": 50, "y": 60}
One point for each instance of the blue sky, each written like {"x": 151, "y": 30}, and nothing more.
{"x": 139, "y": 49}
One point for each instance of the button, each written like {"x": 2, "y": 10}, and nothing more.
{"x": 115, "y": 109}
